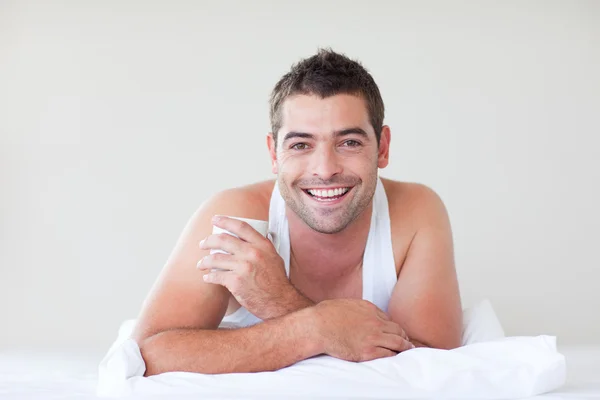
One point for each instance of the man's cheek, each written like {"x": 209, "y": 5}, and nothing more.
{"x": 291, "y": 167}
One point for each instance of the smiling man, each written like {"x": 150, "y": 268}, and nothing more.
{"x": 357, "y": 267}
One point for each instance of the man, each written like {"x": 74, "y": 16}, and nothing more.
{"x": 346, "y": 230}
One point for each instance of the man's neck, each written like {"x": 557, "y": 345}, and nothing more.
{"x": 327, "y": 257}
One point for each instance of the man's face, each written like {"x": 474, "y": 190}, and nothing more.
{"x": 326, "y": 159}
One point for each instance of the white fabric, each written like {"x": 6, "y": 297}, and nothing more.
{"x": 72, "y": 374}
{"x": 378, "y": 269}
{"x": 480, "y": 324}
{"x": 489, "y": 366}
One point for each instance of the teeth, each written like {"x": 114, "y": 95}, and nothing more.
{"x": 328, "y": 192}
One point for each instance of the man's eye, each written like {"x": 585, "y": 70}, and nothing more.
{"x": 351, "y": 143}
{"x": 299, "y": 146}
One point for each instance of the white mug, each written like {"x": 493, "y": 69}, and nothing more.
{"x": 260, "y": 226}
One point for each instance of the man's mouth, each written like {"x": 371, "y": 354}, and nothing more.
{"x": 327, "y": 195}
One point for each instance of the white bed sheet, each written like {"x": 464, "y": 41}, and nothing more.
{"x": 48, "y": 374}
{"x": 583, "y": 374}
{"x": 70, "y": 375}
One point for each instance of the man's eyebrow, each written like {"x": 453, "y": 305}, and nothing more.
{"x": 303, "y": 135}
{"x": 352, "y": 131}
{"x": 343, "y": 132}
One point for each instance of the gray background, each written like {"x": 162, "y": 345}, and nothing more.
{"x": 118, "y": 119}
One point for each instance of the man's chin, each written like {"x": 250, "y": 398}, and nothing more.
{"x": 322, "y": 226}
{"x": 330, "y": 231}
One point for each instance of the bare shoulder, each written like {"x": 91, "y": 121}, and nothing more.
{"x": 418, "y": 200}
{"x": 412, "y": 206}
{"x": 248, "y": 201}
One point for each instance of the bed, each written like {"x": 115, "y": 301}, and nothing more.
{"x": 73, "y": 375}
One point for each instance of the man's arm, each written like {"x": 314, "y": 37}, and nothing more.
{"x": 267, "y": 346}
{"x": 426, "y": 299}
{"x": 176, "y": 329}
{"x": 179, "y": 298}
{"x": 349, "y": 329}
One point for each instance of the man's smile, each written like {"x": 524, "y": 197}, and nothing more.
{"x": 329, "y": 196}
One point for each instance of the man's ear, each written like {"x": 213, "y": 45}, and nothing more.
{"x": 272, "y": 152}
{"x": 384, "y": 147}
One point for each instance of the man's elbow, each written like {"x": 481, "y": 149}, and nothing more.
{"x": 453, "y": 341}
{"x": 150, "y": 349}
{"x": 437, "y": 344}
{"x": 172, "y": 350}
{"x": 448, "y": 341}
{"x": 451, "y": 344}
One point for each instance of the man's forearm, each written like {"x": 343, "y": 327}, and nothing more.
{"x": 292, "y": 302}
{"x": 268, "y": 346}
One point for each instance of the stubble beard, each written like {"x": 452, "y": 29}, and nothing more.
{"x": 334, "y": 220}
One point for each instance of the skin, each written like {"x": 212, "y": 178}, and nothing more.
{"x": 322, "y": 143}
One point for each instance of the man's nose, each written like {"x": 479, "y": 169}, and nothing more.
{"x": 326, "y": 163}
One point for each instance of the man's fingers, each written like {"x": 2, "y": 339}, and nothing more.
{"x": 382, "y": 315}
{"x": 394, "y": 328}
{"x": 394, "y": 342}
{"x": 242, "y": 229}
{"x": 219, "y": 261}
{"x": 390, "y": 326}
{"x": 382, "y": 352}
{"x": 223, "y": 241}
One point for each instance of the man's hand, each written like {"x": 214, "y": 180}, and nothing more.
{"x": 252, "y": 271}
{"x": 357, "y": 330}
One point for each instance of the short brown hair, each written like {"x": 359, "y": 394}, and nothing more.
{"x": 325, "y": 74}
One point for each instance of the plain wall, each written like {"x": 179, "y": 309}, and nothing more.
{"x": 118, "y": 119}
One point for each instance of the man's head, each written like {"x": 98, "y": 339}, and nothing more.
{"x": 327, "y": 139}
{"x": 326, "y": 74}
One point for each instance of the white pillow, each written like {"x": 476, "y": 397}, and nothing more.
{"x": 480, "y": 324}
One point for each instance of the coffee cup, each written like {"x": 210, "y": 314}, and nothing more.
{"x": 260, "y": 226}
